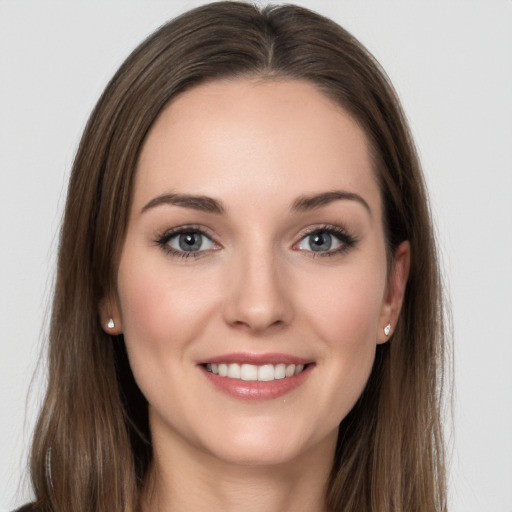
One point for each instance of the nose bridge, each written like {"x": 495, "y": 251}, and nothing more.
{"x": 257, "y": 298}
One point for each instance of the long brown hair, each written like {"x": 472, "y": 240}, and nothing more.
{"x": 92, "y": 444}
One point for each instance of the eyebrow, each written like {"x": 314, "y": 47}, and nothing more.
{"x": 201, "y": 203}
{"x": 210, "y": 205}
{"x": 313, "y": 202}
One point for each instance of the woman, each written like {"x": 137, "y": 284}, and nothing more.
{"x": 248, "y": 311}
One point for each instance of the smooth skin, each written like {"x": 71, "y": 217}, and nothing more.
{"x": 256, "y": 268}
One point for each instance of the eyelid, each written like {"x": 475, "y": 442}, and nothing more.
{"x": 186, "y": 228}
{"x": 163, "y": 240}
{"x": 346, "y": 239}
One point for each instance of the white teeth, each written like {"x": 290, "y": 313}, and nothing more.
{"x": 234, "y": 371}
{"x": 251, "y": 372}
{"x": 280, "y": 371}
{"x": 266, "y": 372}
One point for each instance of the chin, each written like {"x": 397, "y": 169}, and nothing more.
{"x": 270, "y": 446}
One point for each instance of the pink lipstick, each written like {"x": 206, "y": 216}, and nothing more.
{"x": 256, "y": 376}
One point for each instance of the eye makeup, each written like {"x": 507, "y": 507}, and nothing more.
{"x": 326, "y": 241}
{"x": 193, "y": 241}
{"x": 187, "y": 242}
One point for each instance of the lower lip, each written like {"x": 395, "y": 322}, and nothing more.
{"x": 254, "y": 390}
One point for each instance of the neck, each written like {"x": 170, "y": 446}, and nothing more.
{"x": 195, "y": 482}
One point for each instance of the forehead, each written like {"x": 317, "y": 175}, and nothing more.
{"x": 264, "y": 140}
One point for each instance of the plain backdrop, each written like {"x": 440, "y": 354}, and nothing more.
{"x": 451, "y": 62}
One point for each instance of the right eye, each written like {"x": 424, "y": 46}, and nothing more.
{"x": 186, "y": 242}
{"x": 190, "y": 242}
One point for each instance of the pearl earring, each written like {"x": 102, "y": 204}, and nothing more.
{"x": 387, "y": 329}
{"x": 111, "y": 323}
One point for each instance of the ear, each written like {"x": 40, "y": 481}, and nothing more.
{"x": 110, "y": 316}
{"x": 395, "y": 291}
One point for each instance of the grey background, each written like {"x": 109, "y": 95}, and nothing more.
{"x": 451, "y": 62}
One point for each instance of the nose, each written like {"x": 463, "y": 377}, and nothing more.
{"x": 257, "y": 296}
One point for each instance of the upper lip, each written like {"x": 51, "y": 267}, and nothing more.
{"x": 256, "y": 359}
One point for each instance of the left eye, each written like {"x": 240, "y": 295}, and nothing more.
{"x": 190, "y": 241}
{"x": 322, "y": 241}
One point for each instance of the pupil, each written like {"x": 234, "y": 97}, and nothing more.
{"x": 190, "y": 241}
{"x": 320, "y": 242}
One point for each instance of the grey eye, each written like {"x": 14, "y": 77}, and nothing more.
{"x": 320, "y": 241}
{"x": 190, "y": 241}
{"x": 324, "y": 240}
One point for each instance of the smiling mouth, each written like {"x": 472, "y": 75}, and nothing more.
{"x": 251, "y": 372}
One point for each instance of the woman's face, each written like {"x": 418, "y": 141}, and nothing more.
{"x": 252, "y": 285}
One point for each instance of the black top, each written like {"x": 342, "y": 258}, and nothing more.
{"x": 25, "y": 508}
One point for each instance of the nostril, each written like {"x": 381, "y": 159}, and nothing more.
{"x": 258, "y": 326}
{"x": 257, "y": 305}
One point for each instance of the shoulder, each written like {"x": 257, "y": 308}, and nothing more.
{"x": 25, "y": 508}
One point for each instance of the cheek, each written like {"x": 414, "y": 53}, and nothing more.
{"x": 344, "y": 312}
{"x": 161, "y": 310}
{"x": 346, "y": 308}
{"x": 350, "y": 330}
{"x": 142, "y": 297}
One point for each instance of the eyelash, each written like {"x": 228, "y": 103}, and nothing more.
{"x": 163, "y": 241}
{"x": 347, "y": 241}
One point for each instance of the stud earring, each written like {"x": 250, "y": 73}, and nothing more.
{"x": 111, "y": 323}
{"x": 387, "y": 329}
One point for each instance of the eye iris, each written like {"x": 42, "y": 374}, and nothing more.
{"x": 320, "y": 241}
{"x": 190, "y": 241}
